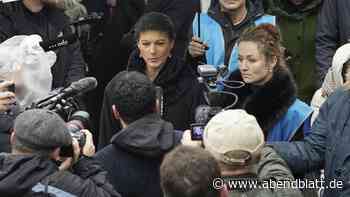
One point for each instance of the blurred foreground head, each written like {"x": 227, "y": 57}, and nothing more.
{"x": 23, "y": 61}
{"x": 235, "y": 138}
{"x": 189, "y": 172}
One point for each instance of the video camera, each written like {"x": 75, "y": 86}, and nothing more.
{"x": 63, "y": 103}
{"x": 217, "y": 95}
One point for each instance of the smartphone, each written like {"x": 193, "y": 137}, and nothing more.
{"x": 201, "y": 42}
{"x": 160, "y": 100}
{"x": 197, "y": 131}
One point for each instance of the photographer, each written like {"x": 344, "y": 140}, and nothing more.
{"x": 38, "y": 141}
{"x": 8, "y": 112}
{"x": 7, "y": 98}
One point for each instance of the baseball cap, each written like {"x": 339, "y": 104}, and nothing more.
{"x": 40, "y": 129}
{"x": 234, "y": 137}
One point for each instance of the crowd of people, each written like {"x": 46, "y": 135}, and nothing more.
{"x": 166, "y": 118}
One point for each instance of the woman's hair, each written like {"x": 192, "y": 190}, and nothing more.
{"x": 268, "y": 39}
{"x": 155, "y": 21}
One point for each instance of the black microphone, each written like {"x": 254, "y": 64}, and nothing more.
{"x": 58, "y": 42}
{"x": 89, "y": 19}
{"x": 76, "y": 88}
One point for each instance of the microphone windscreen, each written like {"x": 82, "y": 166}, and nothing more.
{"x": 50, "y": 45}
{"x": 84, "y": 84}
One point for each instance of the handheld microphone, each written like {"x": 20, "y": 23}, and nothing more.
{"x": 76, "y": 88}
{"x": 58, "y": 42}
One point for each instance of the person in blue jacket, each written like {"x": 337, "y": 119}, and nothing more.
{"x": 214, "y": 38}
{"x": 327, "y": 147}
{"x": 269, "y": 92}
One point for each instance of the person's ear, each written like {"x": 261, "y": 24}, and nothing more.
{"x": 115, "y": 113}
{"x": 172, "y": 44}
{"x": 12, "y": 137}
{"x": 273, "y": 62}
{"x": 138, "y": 43}
{"x": 55, "y": 154}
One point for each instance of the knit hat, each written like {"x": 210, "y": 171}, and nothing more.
{"x": 234, "y": 137}
{"x": 40, "y": 129}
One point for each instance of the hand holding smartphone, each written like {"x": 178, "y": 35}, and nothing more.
{"x": 197, "y": 131}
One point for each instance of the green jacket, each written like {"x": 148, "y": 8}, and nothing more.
{"x": 271, "y": 167}
{"x": 298, "y": 29}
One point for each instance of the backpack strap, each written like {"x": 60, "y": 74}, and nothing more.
{"x": 43, "y": 188}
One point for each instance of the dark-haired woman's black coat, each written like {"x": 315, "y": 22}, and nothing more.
{"x": 181, "y": 93}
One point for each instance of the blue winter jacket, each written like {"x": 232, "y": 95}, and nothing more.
{"x": 327, "y": 146}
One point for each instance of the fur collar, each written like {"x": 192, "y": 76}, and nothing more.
{"x": 271, "y": 101}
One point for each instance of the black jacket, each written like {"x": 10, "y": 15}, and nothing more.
{"x": 110, "y": 54}
{"x": 181, "y": 92}
{"x": 270, "y": 102}
{"x": 20, "y": 174}
{"x": 134, "y": 157}
{"x": 333, "y": 30}
{"x": 49, "y": 23}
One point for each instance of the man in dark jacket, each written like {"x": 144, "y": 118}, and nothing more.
{"x": 296, "y": 20}
{"x": 333, "y": 30}
{"x": 134, "y": 156}
{"x": 43, "y": 18}
{"x": 38, "y": 141}
{"x": 326, "y": 147}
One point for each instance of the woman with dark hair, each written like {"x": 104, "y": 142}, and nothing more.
{"x": 181, "y": 13}
{"x": 270, "y": 91}
{"x": 155, "y": 37}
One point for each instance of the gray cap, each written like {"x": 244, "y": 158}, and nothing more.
{"x": 40, "y": 129}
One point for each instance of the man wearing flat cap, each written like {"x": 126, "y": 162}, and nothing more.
{"x": 36, "y": 165}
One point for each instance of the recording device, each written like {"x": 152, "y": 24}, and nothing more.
{"x": 63, "y": 104}
{"x": 197, "y": 131}
{"x": 89, "y": 19}
{"x": 217, "y": 99}
{"x": 76, "y": 88}
{"x": 77, "y": 122}
{"x": 58, "y": 42}
{"x": 201, "y": 42}
{"x": 160, "y": 100}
